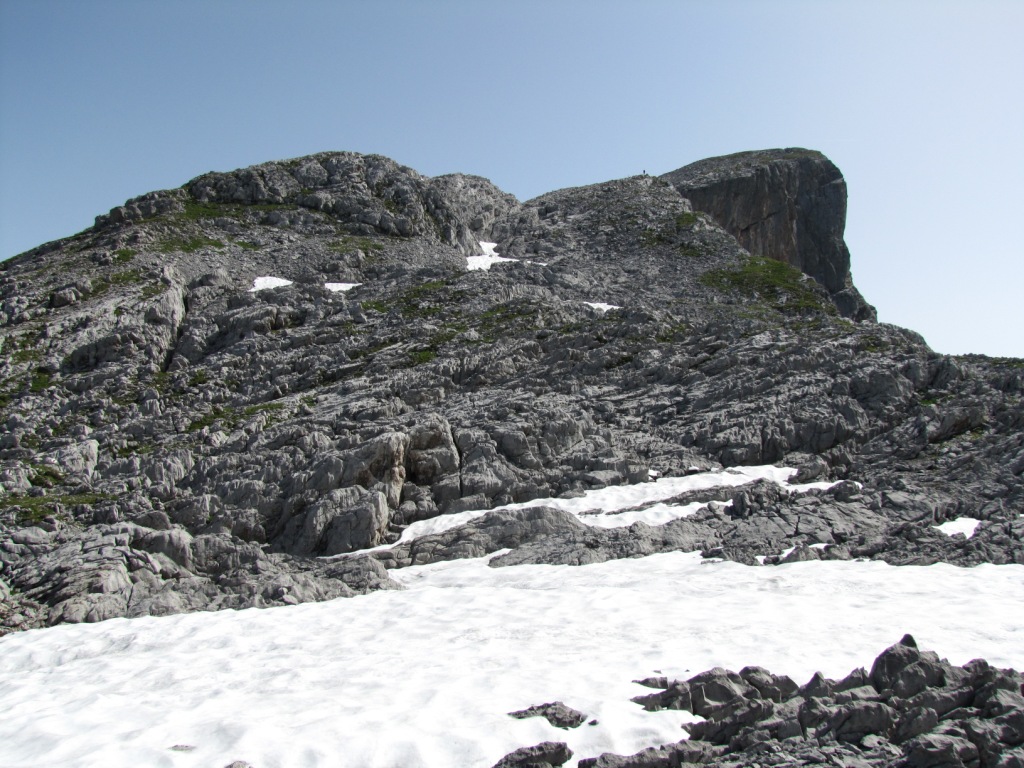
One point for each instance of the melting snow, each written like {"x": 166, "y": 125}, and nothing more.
{"x": 265, "y": 282}
{"x": 614, "y": 504}
{"x": 601, "y": 305}
{"x": 489, "y": 257}
{"x": 336, "y": 287}
{"x": 964, "y": 525}
{"x": 425, "y": 676}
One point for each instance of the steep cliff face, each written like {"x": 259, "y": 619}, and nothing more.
{"x": 786, "y": 204}
{"x": 180, "y": 436}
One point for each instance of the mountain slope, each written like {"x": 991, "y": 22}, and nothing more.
{"x": 176, "y": 441}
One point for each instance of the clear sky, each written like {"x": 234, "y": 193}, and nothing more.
{"x": 920, "y": 103}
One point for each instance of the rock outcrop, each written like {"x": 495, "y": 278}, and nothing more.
{"x": 175, "y": 440}
{"x": 912, "y": 709}
{"x": 788, "y": 205}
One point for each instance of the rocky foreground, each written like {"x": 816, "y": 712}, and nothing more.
{"x": 912, "y": 709}
{"x": 175, "y": 441}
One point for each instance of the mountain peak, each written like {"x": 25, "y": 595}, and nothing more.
{"x": 785, "y": 204}
{"x": 312, "y": 357}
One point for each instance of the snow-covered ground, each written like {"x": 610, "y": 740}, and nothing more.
{"x": 266, "y": 282}
{"x": 426, "y": 676}
{"x": 601, "y": 306}
{"x": 622, "y": 505}
{"x": 964, "y": 525}
{"x": 488, "y": 258}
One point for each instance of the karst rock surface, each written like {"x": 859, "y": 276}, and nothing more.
{"x": 175, "y": 441}
{"x": 786, "y": 204}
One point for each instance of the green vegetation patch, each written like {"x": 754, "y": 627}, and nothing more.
{"x": 357, "y": 354}
{"x": 252, "y": 410}
{"x": 420, "y": 301}
{"x": 1010, "y": 362}
{"x": 25, "y": 356}
{"x": 45, "y": 475}
{"x": 225, "y": 415}
{"x": 35, "y": 509}
{"x": 872, "y": 343}
{"x": 124, "y": 255}
{"x": 672, "y": 333}
{"x": 670, "y": 229}
{"x": 161, "y": 381}
{"x": 41, "y": 380}
{"x": 231, "y": 418}
{"x": 195, "y": 210}
{"x": 503, "y": 320}
{"x": 423, "y": 300}
{"x": 190, "y": 245}
{"x": 127, "y": 277}
{"x": 686, "y": 220}
{"x": 140, "y": 449}
{"x": 421, "y": 356}
{"x": 773, "y": 282}
{"x": 350, "y": 244}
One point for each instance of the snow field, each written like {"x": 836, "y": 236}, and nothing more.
{"x": 266, "y": 282}
{"x": 489, "y": 257}
{"x": 425, "y": 677}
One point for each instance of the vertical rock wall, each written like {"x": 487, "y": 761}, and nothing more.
{"x": 786, "y": 204}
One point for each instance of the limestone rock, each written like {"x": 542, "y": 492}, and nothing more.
{"x": 556, "y": 713}
{"x": 546, "y": 753}
{"x": 826, "y": 721}
{"x": 173, "y": 439}
{"x": 788, "y": 205}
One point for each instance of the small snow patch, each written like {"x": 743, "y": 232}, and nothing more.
{"x": 601, "y": 306}
{"x": 964, "y": 525}
{"x": 266, "y": 281}
{"x": 622, "y": 505}
{"x": 489, "y": 257}
{"x": 336, "y": 287}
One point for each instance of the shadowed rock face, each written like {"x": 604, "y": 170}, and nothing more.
{"x": 786, "y": 204}
{"x": 173, "y": 441}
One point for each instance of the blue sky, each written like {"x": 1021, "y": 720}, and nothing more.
{"x": 919, "y": 103}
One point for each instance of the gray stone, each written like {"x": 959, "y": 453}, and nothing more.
{"x": 556, "y": 713}
{"x": 546, "y": 753}
{"x": 263, "y": 430}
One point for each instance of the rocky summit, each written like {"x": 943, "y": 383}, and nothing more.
{"x": 241, "y": 392}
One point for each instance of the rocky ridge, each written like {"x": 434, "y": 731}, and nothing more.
{"x": 175, "y": 441}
